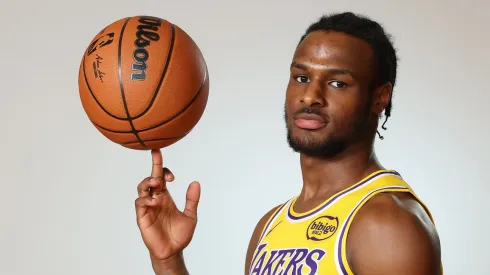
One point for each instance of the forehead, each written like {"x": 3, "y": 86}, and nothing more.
{"x": 335, "y": 49}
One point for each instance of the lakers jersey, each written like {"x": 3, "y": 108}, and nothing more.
{"x": 315, "y": 242}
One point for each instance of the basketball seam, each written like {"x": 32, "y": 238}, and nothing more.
{"x": 167, "y": 120}
{"x": 183, "y": 109}
{"x": 93, "y": 95}
{"x": 109, "y": 130}
{"x": 164, "y": 73}
{"x": 156, "y": 139}
{"x": 121, "y": 85}
{"x": 169, "y": 55}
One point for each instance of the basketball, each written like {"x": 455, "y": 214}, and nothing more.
{"x": 143, "y": 82}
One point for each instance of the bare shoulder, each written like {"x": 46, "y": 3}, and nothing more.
{"x": 256, "y": 235}
{"x": 400, "y": 232}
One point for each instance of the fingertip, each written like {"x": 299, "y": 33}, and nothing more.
{"x": 156, "y": 155}
{"x": 157, "y": 160}
{"x": 169, "y": 177}
{"x": 196, "y": 183}
{"x": 195, "y": 187}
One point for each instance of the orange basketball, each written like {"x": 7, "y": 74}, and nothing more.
{"x": 143, "y": 82}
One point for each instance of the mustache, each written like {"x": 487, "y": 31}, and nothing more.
{"x": 309, "y": 111}
{"x": 315, "y": 111}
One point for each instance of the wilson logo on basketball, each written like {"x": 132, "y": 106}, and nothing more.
{"x": 322, "y": 228}
{"x": 147, "y": 32}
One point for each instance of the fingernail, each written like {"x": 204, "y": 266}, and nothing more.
{"x": 153, "y": 181}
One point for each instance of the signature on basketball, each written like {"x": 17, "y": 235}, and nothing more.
{"x": 97, "y": 72}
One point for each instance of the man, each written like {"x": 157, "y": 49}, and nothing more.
{"x": 352, "y": 216}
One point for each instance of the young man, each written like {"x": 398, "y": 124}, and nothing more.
{"x": 352, "y": 216}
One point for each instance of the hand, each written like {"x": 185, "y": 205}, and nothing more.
{"x": 166, "y": 231}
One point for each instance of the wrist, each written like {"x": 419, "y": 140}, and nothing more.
{"x": 173, "y": 265}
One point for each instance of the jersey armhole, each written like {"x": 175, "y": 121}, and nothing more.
{"x": 271, "y": 219}
{"x": 341, "y": 256}
{"x": 423, "y": 206}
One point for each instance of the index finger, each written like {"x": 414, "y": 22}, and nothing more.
{"x": 157, "y": 168}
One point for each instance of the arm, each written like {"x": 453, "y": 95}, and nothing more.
{"x": 255, "y": 238}
{"x": 392, "y": 234}
{"x": 166, "y": 230}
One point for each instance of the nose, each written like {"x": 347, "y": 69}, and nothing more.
{"x": 313, "y": 96}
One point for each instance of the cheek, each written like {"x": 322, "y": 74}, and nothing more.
{"x": 343, "y": 114}
{"x": 289, "y": 91}
{"x": 291, "y": 98}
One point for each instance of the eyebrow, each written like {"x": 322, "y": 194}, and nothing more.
{"x": 332, "y": 71}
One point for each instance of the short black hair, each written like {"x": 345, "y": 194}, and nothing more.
{"x": 372, "y": 32}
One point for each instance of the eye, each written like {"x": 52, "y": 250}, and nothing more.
{"x": 338, "y": 84}
{"x": 302, "y": 79}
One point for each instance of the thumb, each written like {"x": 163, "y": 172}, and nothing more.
{"x": 192, "y": 200}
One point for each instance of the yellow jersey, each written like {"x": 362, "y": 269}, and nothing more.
{"x": 314, "y": 242}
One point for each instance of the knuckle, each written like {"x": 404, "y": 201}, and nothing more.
{"x": 143, "y": 183}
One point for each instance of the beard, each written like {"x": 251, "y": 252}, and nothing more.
{"x": 329, "y": 145}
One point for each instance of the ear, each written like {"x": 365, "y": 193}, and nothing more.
{"x": 381, "y": 98}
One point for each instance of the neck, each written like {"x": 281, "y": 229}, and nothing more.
{"x": 323, "y": 177}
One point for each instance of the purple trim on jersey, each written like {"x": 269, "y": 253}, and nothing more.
{"x": 271, "y": 221}
{"x": 341, "y": 262}
{"x": 340, "y": 194}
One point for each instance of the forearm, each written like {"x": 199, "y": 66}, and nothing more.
{"x": 173, "y": 266}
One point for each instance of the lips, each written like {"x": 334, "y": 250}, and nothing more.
{"x": 309, "y": 121}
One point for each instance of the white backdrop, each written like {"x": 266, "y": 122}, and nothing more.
{"x": 68, "y": 193}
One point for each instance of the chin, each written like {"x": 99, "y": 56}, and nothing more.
{"x": 316, "y": 136}
{"x": 309, "y": 143}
